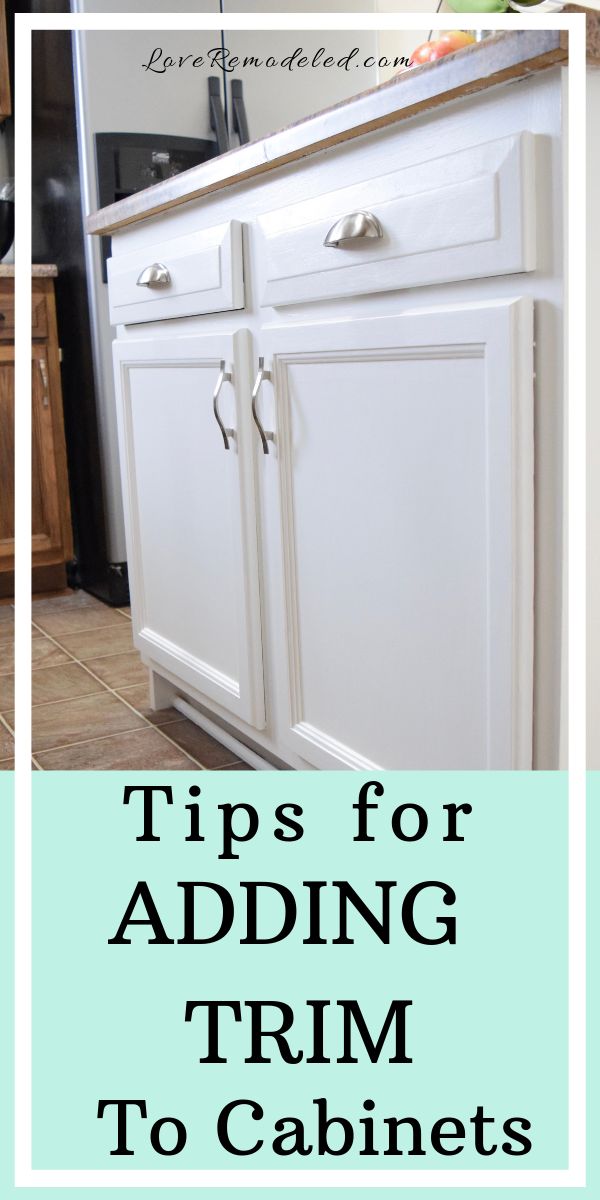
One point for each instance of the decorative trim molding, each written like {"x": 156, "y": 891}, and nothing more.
{"x": 159, "y": 645}
{"x": 343, "y": 754}
{"x": 503, "y": 340}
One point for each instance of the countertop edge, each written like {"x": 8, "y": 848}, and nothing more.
{"x": 38, "y": 271}
{"x": 498, "y": 59}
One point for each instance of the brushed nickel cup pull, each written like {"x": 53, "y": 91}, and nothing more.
{"x": 223, "y": 377}
{"x": 265, "y": 436}
{"x": 156, "y": 275}
{"x": 352, "y": 228}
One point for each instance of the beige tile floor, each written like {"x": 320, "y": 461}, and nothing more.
{"x": 90, "y": 697}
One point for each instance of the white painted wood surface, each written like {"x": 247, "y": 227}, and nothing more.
{"x": 190, "y": 515}
{"x": 405, "y": 452}
{"x": 456, "y": 216}
{"x": 532, "y": 106}
{"x": 206, "y": 276}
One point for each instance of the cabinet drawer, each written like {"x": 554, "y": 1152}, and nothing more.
{"x": 459, "y": 216}
{"x": 199, "y": 273}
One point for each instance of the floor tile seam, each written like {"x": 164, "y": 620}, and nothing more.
{"x": 91, "y": 629}
{"x": 114, "y": 654}
{"x": 4, "y": 722}
{"x": 105, "y": 737}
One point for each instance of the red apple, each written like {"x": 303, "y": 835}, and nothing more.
{"x": 440, "y": 50}
{"x": 456, "y": 39}
{"x": 422, "y": 53}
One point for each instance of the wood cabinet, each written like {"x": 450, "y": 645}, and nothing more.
{"x": 5, "y": 102}
{"x": 52, "y": 544}
{"x": 7, "y": 467}
{"x": 363, "y": 554}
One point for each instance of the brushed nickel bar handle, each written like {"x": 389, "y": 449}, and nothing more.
{"x": 265, "y": 436}
{"x": 352, "y": 228}
{"x": 223, "y": 377}
{"x": 156, "y": 275}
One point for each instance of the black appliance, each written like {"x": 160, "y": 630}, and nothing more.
{"x": 7, "y": 226}
{"x": 128, "y": 162}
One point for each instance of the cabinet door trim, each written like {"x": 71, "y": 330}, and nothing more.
{"x": 501, "y": 334}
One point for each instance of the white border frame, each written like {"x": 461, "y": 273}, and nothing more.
{"x": 574, "y": 1174}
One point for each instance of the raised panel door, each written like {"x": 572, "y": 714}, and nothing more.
{"x": 190, "y": 514}
{"x": 403, "y": 459}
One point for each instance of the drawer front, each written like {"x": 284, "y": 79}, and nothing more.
{"x": 460, "y": 216}
{"x": 187, "y": 276}
{"x": 7, "y": 317}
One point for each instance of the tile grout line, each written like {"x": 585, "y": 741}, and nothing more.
{"x": 52, "y": 638}
{"x": 83, "y": 633}
{"x": 51, "y": 667}
{"x": 49, "y": 703}
{"x": 6, "y": 726}
{"x": 126, "y": 703}
{"x": 103, "y": 737}
{"x": 75, "y": 633}
{"x": 117, "y": 734}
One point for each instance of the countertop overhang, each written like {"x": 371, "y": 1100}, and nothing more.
{"x": 38, "y": 271}
{"x": 498, "y": 59}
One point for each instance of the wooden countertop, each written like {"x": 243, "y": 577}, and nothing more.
{"x": 38, "y": 271}
{"x": 498, "y": 59}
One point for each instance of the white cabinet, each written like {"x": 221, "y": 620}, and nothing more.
{"x": 404, "y": 450}
{"x": 190, "y": 513}
{"x": 368, "y": 592}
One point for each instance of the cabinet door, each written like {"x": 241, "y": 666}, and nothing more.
{"x": 404, "y": 456}
{"x": 51, "y": 513}
{"x": 190, "y": 514}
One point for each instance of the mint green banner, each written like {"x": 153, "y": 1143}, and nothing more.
{"x": 483, "y": 1021}
{"x": 473, "y": 1062}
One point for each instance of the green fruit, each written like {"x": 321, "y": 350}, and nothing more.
{"x": 478, "y": 6}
